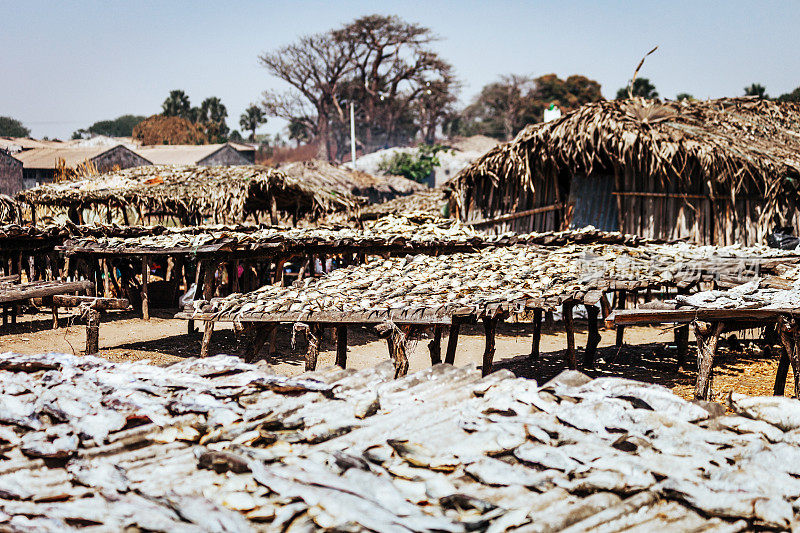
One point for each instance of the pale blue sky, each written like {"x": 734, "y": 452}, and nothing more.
{"x": 64, "y": 65}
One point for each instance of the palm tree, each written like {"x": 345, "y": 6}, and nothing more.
{"x": 211, "y": 115}
{"x": 251, "y": 119}
{"x": 176, "y": 105}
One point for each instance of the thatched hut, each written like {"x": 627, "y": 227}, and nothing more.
{"x": 189, "y": 194}
{"x": 323, "y": 175}
{"x": 715, "y": 172}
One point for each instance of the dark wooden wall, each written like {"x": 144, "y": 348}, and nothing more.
{"x": 675, "y": 210}
{"x": 227, "y": 155}
{"x": 10, "y": 174}
{"x": 119, "y": 157}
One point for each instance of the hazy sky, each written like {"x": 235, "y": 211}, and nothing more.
{"x": 65, "y": 65}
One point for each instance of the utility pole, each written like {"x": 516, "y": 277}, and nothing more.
{"x": 353, "y": 134}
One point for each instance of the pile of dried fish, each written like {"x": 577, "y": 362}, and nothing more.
{"x": 755, "y": 294}
{"x": 509, "y": 280}
{"x": 224, "y": 193}
{"x": 428, "y": 202}
{"x": 216, "y": 444}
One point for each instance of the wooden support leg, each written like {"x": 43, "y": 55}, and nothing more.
{"x": 779, "y": 388}
{"x": 145, "y": 280}
{"x": 397, "y": 351}
{"x": 682, "y": 343}
{"x": 537, "y": 333}
{"x": 258, "y": 335}
{"x": 605, "y": 306}
{"x": 622, "y": 297}
{"x": 92, "y": 331}
{"x": 569, "y": 326}
{"x": 489, "y": 327}
{"x": 207, "y": 332}
{"x": 707, "y": 336}
{"x": 452, "y": 341}
{"x": 594, "y": 336}
{"x": 341, "y": 346}
{"x": 106, "y": 279}
{"x": 199, "y": 278}
{"x": 787, "y": 326}
{"x": 435, "y": 346}
{"x": 55, "y": 316}
{"x": 312, "y": 354}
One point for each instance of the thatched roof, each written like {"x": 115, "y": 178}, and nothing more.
{"x": 10, "y": 210}
{"x": 347, "y": 181}
{"x": 731, "y": 142}
{"x": 227, "y": 193}
{"x": 425, "y": 202}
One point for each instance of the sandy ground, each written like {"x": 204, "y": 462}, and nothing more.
{"x": 647, "y": 355}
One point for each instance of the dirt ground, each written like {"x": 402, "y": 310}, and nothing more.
{"x": 647, "y": 355}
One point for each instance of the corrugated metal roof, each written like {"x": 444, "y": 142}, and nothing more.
{"x": 178, "y": 154}
{"x": 45, "y": 158}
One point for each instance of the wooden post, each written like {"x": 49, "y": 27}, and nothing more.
{"x": 594, "y": 336}
{"x": 106, "y": 279}
{"x": 257, "y": 336}
{"x": 199, "y": 278}
{"x": 622, "y": 296}
{"x": 55, "y": 316}
{"x": 92, "y": 331}
{"x": 235, "y": 277}
{"x": 707, "y": 335}
{"x": 435, "y": 346}
{"x": 452, "y": 341}
{"x": 787, "y": 326}
{"x": 605, "y": 307}
{"x": 341, "y": 346}
{"x": 145, "y": 280}
{"x": 682, "y": 343}
{"x": 207, "y": 332}
{"x": 313, "y": 336}
{"x": 537, "y": 333}
{"x": 489, "y": 327}
{"x": 397, "y": 350}
{"x": 569, "y": 326}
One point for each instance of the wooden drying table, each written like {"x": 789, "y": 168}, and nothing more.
{"x": 398, "y": 325}
{"x": 225, "y": 253}
{"x": 11, "y": 295}
{"x": 708, "y": 324}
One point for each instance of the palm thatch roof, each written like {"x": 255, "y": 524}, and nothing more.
{"x": 10, "y": 210}
{"x": 323, "y": 175}
{"x": 428, "y": 202}
{"x": 730, "y": 144}
{"x": 228, "y": 194}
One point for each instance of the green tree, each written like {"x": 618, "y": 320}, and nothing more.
{"x": 251, "y": 119}
{"x": 503, "y": 108}
{"x": 684, "y": 96}
{"x": 756, "y": 89}
{"x": 298, "y": 132}
{"x": 118, "y": 127}
{"x": 641, "y": 87}
{"x": 236, "y": 137}
{"x": 11, "y": 127}
{"x": 417, "y": 167}
{"x": 177, "y": 105}
{"x": 211, "y": 117}
{"x": 793, "y": 96}
{"x": 567, "y": 94}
